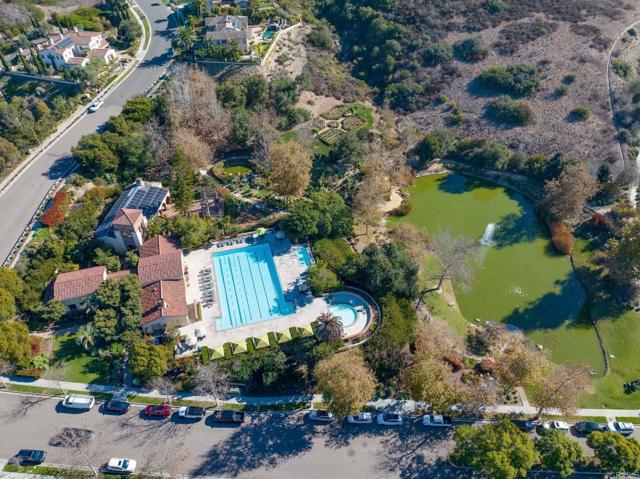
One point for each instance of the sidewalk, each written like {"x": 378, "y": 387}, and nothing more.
{"x": 406, "y": 406}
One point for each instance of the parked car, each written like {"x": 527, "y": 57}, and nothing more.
{"x": 321, "y": 415}
{"x": 389, "y": 419}
{"x": 191, "y": 412}
{"x": 624, "y": 428}
{"x": 158, "y": 410}
{"x": 31, "y": 456}
{"x": 231, "y": 416}
{"x": 120, "y": 465}
{"x": 116, "y": 405}
{"x": 436, "y": 420}
{"x": 360, "y": 418}
{"x": 95, "y": 105}
{"x": 560, "y": 425}
{"x": 523, "y": 424}
{"x": 587, "y": 427}
{"x": 78, "y": 401}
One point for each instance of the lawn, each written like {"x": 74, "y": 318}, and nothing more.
{"x": 620, "y": 330}
{"x": 70, "y": 362}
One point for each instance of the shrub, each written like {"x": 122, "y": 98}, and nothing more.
{"x": 205, "y": 355}
{"x": 495, "y": 6}
{"x": 507, "y": 110}
{"x": 320, "y": 37}
{"x": 561, "y": 237}
{"x": 404, "y": 209}
{"x": 470, "y": 49}
{"x": 580, "y": 113}
{"x": 436, "y": 144}
{"x": 562, "y": 90}
{"x": 322, "y": 279}
{"x": 334, "y": 252}
{"x": 518, "y": 79}
{"x": 438, "y": 54}
{"x": 569, "y": 79}
{"x": 621, "y": 68}
{"x": 30, "y": 372}
{"x": 56, "y": 212}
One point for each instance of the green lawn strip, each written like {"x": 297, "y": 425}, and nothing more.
{"x": 40, "y": 470}
{"x": 228, "y": 406}
{"x": 634, "y": 420}
{"x": 25, "y": 388}
{"x": 619, "y": 329}
{"x": 147, "y": 31}
{"x": 70, "y": 362}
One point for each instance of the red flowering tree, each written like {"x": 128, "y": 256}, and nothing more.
{"x": 56, "y": 212}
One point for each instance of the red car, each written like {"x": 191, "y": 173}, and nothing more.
{"x": 159, "y": 410}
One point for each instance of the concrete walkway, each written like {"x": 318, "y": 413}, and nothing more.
{"x": 386, "y": 404}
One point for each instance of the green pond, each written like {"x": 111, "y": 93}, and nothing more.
{"x": 520, "y": 280}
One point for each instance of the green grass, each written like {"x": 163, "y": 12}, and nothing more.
{"x": 41, "y": 470}
{"x": 290, "y": 135}
{"x": 237, "y": 170}
{"x": 363, "y": 112}
{"x": 25, "y": 388}
{"x": 620, "y": 330}
{"x": 70, "y": 362}
{"x": 147, "y": 31}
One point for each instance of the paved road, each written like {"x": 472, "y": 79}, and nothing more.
{"x": 20, "y": 200}
{"x": 268, "y": 446}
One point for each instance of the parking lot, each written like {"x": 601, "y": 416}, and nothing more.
{"x": 266, "y": 446}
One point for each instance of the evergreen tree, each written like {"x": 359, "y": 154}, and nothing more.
{"x": 184, "y": 180}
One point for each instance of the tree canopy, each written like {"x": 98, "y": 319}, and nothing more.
{"x": 323, "y": 214}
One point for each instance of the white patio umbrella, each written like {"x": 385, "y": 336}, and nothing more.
{"x": 191, "y": 341}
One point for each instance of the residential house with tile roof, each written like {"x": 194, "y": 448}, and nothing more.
{"x": 227, "y": 29}
{"x": 75, "y": 289}
{"x": 75, "y": 49}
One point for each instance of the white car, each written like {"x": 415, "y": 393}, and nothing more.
{"x": 95, "y": 105}
{"x": 121, "y": 465}
{"x": 436, "y": 420}
{"x": 560, "y": 425}
{"x": 624, "y": 428}
{"x": 320, "y": 415}
{"x": 389, "y": 419}
{"x": 191, "y": 412}
{"x": 361, "y": 418}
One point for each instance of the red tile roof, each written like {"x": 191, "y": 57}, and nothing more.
{"x": 77, "y": 284}
{"x": 127, "y": 217}
{"x": 163, "y": 299}
{"x": 160, "y": 259}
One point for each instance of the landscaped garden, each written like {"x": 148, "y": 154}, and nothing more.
{"x": 70, "y": 361}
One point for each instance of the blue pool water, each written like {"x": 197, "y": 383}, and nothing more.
{"x": 304, "y": 257}
{"x": 345, "y": 312}
{"x": 248, "y": 286}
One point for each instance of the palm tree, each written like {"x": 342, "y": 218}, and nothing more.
{"x": 329, "y": 327}
{"x": 86, "y": 336}
{"x": 186, "y": 39}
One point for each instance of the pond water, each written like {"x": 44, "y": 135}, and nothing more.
{"x": 521, "y": 280}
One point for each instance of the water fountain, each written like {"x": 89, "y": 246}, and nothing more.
{"x": 487, "y": 237}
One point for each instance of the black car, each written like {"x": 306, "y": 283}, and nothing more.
{"x": 116, "y": 405}
{"x": 523, "y": 424}
{"x": 31, "y": 456}
{"x": 228, "y": 415}
{"x": 587, "y": 427}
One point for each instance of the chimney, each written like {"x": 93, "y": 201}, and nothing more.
{"x": 162, "y": 304}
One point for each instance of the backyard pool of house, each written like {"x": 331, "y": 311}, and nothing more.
{"x": 248, "y": 287}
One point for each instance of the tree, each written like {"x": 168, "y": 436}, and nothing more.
{"x": 436, "y": 338}
{"x": 499, "y": 451}
{"x": 623, "y": 256}
{"x": 184, "y": 181}
{"x": 322, "y": 279}
{"x": 561, "y": 388}
{"x": 256, "y": 91}
{"x": 86, "y": 337}
{"x": 558, "y": 452}
{"x": 614, "y": 452}
{"x": 164, "y": 386}
{"x": 457, "y": 257}
{"x": 323, "y": 214}
{"x": 147, "y": 361}
{"x": 345, "y": 382}
{"x": 436, "y": 144}
{"x": 566, "y": 196}
{"x": 470, "y": 49}
{"x": 95, "y": 155}
{"x": 186, "y": 38}
{"x": 108, "y": 259}
{"x": 129, "y": 30}
{"x": 520, "y": 364}
{"x": 6, "y": 370}
{"x": 106, "y": 323}
{"x": 367, "y": 199}
{"x": 385, "y": 269}
{"x": 428, "y": 380}
{"x": 196, "y": 149}
{"x": 15, "y": 344}
{"x": 329, "y": 327}
{"x": 212, "y": 380}
{"x": 7, "y": 305}
{"x": 290, "y": 171}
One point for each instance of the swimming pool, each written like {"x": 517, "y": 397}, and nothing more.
{"x": 248, "y": 287}
{"x": 304, "y": 256}
{"x": 345, "y": 312}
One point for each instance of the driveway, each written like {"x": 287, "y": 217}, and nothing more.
{"x": 19, "y": 202}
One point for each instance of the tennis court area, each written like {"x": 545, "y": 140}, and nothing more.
{"x": 248, "y": 286}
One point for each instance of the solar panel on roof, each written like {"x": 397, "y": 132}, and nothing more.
{"x": 65, "y": 42}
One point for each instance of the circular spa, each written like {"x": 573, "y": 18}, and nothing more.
{"x": 352, "y": 309}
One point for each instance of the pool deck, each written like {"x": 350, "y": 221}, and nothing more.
{"x": 291, "y": 274}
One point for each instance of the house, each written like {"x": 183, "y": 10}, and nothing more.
{"x": 211, "y": 4}
{"x": 75, "y": 289}
{"x": 161, "y": 273}
{"x": 227, "y": 29}
{"x": 124, "y": 227}
{"x": 75, "y": 49}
